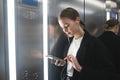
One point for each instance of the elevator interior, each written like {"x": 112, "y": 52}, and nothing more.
{"x": 29, "y": 31}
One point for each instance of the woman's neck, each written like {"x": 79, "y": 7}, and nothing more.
{"x": 79, "y": 34}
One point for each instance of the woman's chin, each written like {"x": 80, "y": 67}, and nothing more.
{"x": 70, "y": 35}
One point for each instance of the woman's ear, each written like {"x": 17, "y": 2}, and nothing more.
{"x": 116, "y": 29}
{"x": 78, "y": 19}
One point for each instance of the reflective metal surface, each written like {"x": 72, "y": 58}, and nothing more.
{"x": 29, "y": 40}
{"x": 2, "y": 43}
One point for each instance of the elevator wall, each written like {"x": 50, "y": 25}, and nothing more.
{"x": 29, "y": 31}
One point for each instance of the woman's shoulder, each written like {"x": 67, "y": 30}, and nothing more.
{"x": 92, "y": 40}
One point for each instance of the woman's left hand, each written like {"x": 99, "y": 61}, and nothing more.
{"x": 74, "y": 62}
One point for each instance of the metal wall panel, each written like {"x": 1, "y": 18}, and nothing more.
{"x": 95, "y": 20}
{"x": 2, "y": 45}
{"x": 29, "y": 40}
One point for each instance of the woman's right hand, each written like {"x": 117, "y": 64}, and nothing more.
{"x": 58, "y": 62}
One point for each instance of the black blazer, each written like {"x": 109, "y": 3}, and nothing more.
{"x": 93, "y": 57}
{"x": 112, "y": 41}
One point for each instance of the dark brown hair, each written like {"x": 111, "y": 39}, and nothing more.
{"x": 70, "y": 13}
{"x": 110, "y": 23}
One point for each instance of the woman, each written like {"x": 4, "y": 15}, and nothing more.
{"x": 112, "y": 41}
{"x": 85, "y": 57}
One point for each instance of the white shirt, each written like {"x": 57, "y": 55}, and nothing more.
{"x": 74, "y": 46}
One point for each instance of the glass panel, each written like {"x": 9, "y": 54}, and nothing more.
{"x": 29, "y": 40}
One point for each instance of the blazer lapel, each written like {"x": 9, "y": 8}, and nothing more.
{"x": 82, "y": 50}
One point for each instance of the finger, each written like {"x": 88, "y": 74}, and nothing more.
{"x": 56, "y": 62}
{"x": 62, "y": 63}
{"x": 65, "y": 58}
{"x": 70, "y": 58}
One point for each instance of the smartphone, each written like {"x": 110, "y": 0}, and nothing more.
{"x": 54, "y": 57}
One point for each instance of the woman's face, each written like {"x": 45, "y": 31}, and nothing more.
{"x": 68, "y": 26}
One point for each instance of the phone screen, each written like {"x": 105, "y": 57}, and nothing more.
{"x": 54, "y": 57}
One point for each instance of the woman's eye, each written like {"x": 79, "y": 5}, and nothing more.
{"x": 66, "y": 25}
